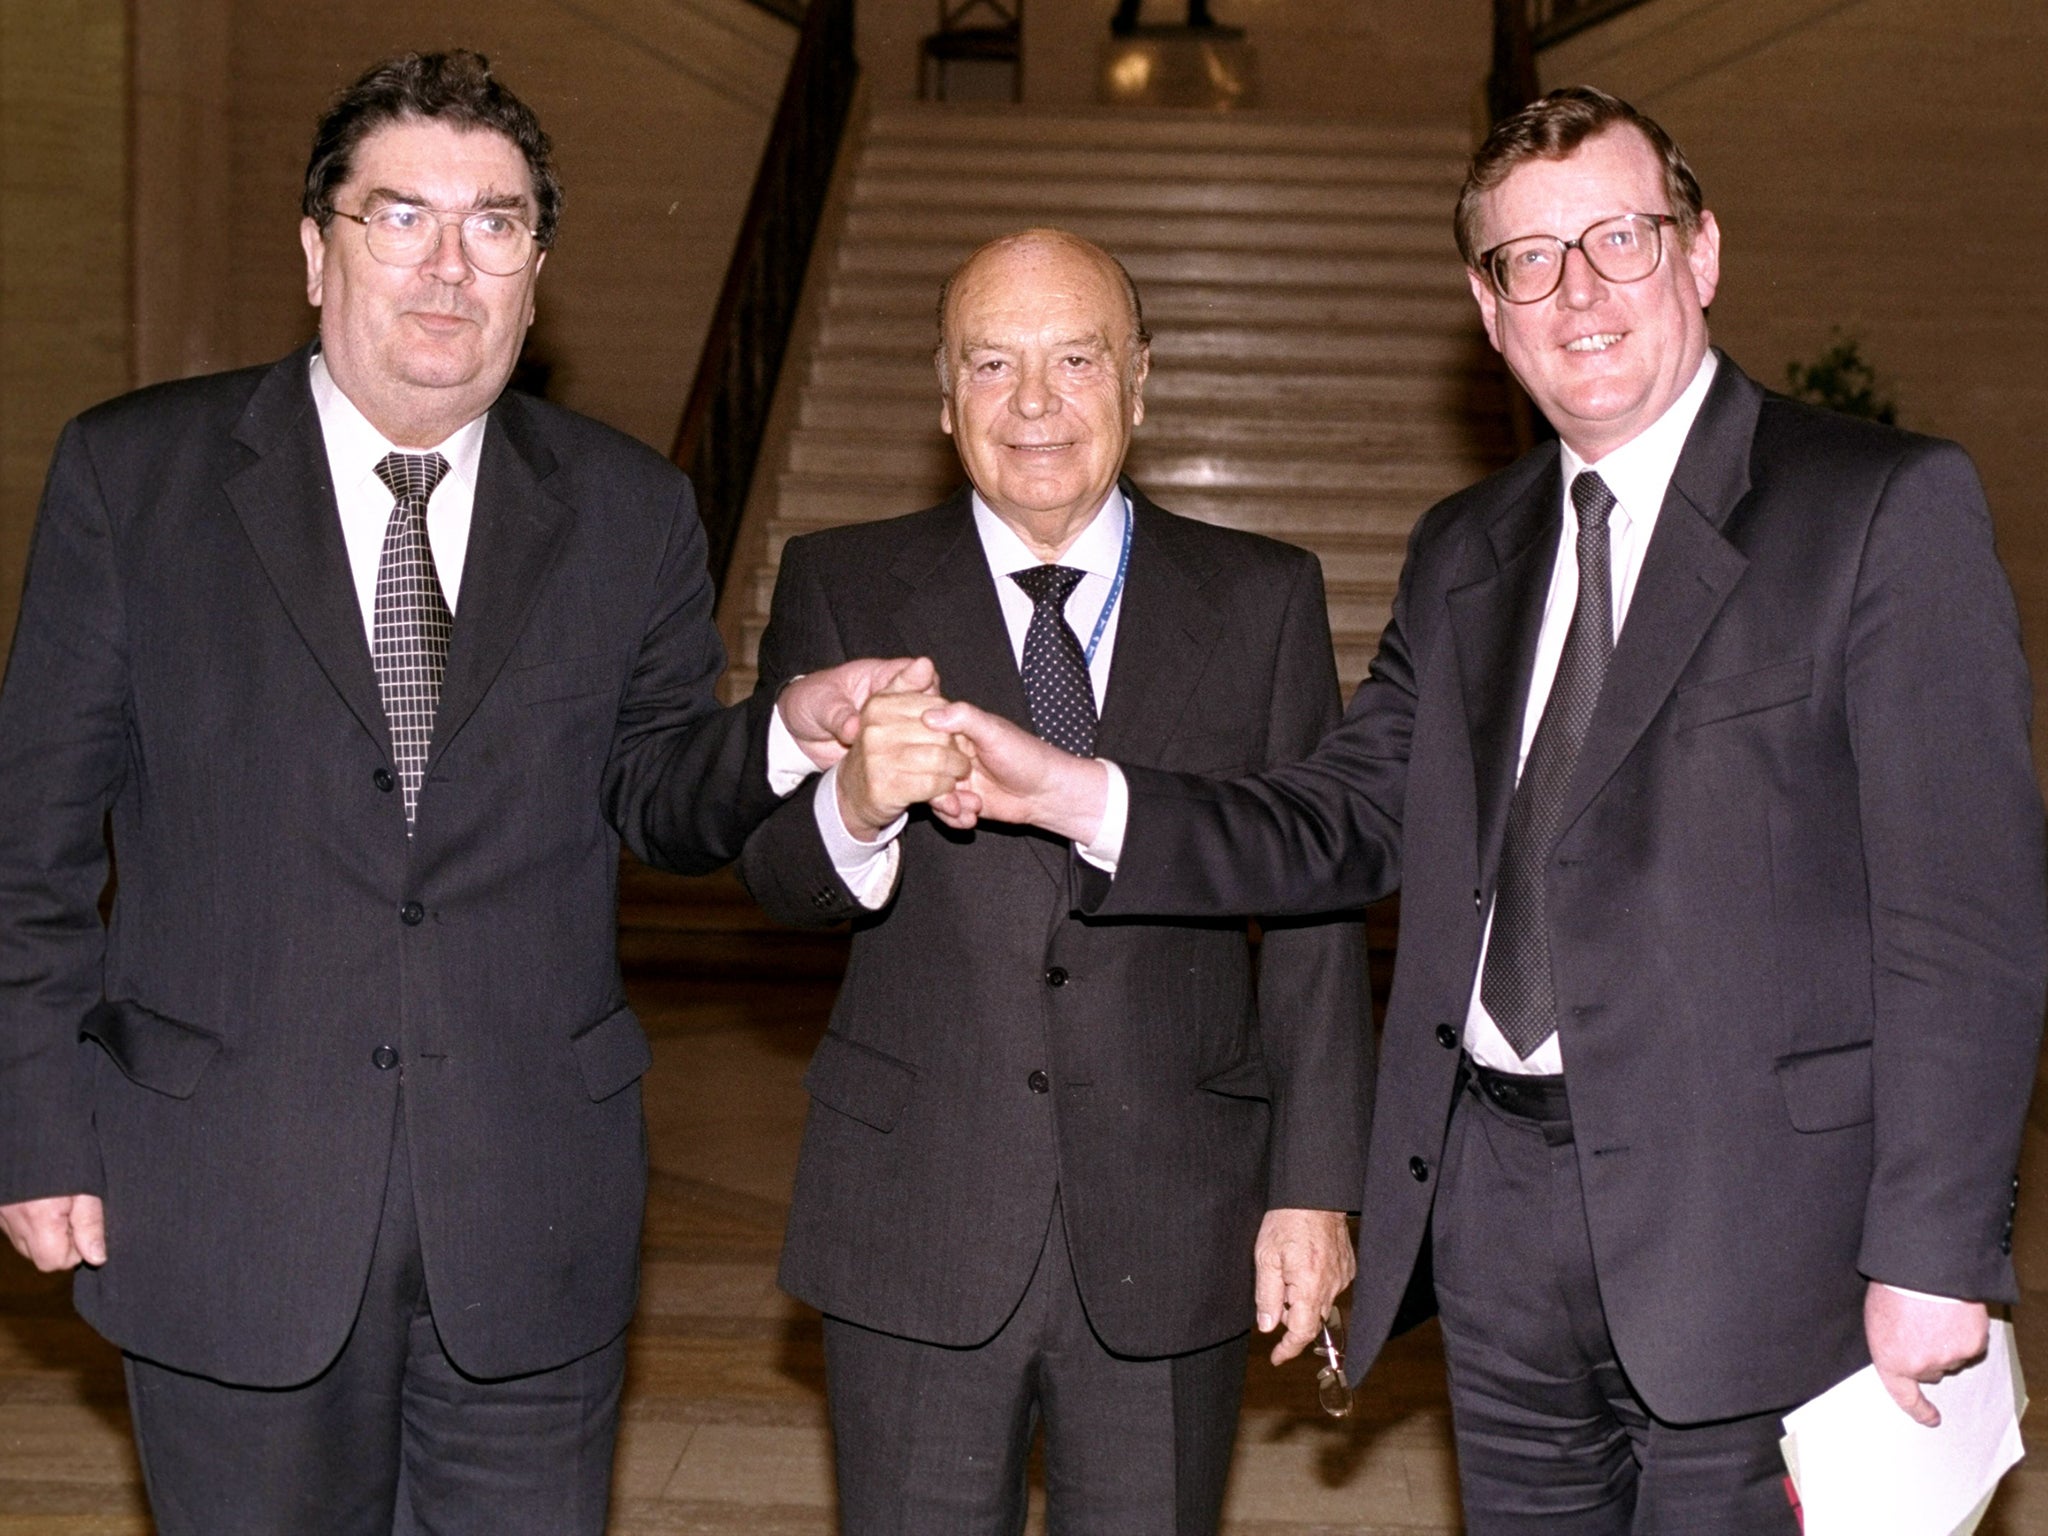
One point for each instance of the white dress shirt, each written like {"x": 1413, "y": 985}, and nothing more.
{"x": 869, "y": 869}
{"x": 354, "y": 449}
{"x": 1638, "y": 473}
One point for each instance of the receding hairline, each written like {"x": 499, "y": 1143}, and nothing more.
{"x": 1112, "y": 269}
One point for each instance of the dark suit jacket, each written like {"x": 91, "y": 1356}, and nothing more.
{"x": 191, "y": 659}
{"x": 1797, "y": 910}
{"x": 1185, "y": 1095}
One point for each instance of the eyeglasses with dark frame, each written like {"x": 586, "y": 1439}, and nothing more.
{"x": 494, "y": 241}
{"x": 1623, "y": 249}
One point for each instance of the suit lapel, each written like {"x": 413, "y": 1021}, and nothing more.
{"x": 287, "y": 508}
{"x": 1495, "y": 620}
{"x": 945, "y": 607}
{"x": 515, "y": 532}
{"x": 1164, "y": 635}
{"x": 1688, "y": 572}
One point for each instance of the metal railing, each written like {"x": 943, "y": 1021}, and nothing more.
{"x": 1524, "y": 28}
{"x": 719, "y": 439}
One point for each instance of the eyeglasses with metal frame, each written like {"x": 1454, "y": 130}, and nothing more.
{"x": 494, "y": 241}
{"x": 1333, "y": 1392}
{"x": 1623, "y": 249}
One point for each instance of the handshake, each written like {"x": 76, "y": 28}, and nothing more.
{"x": 898, "y": 741}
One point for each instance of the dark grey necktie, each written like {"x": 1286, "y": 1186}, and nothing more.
{"x": 1517, "y": 986}
{"x": 411, "y": 623}
{"x": 1055, "y": 671}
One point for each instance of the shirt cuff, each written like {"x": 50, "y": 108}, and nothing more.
{"x": 869, "y": 869}
{"x": 1106, "y": 850}
{"x": 1954, "y": 1301}
{"x": 788, "y": 764}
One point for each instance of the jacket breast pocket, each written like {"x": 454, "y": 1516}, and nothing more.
{"x": 575, "y": 677}
{"x": 1827, "y": 1090}
{"x": 613, "y": 1054}
{"x": 859, "y": 1082}
{"x": 1746, "y": 693}
{"x": 152, "y": 1051}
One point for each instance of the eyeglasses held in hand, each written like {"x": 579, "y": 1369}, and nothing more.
{"x": 1332, "y": 1391}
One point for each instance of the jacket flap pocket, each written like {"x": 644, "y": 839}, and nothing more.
{"x": 859, "y": 1082}
{"x": 1723, "y": 698}
{"x": 570, "y": 679}
{"x": 1827, "y": 1089}
{"x": 1244, "y": 1079}
{"x": 152, "y": 1051}
{"x": 613, "y": 1053}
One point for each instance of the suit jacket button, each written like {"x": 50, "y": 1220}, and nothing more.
{"x": 383, "y": 1058}
{"x": 383, "y": 780}
{"x": 1038, "y": 1082}
{"x": 1056, "y": 977}
{"x": 412, "y": 914}
{"x": 1418, "y": 1170}
{"x": 1447, "y": 1037}
{"x": 821, "y": 899}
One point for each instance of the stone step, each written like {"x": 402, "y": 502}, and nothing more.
{"x": 1253, "y": 348}
{"x": 1022, "y": 194}
{"x": 1128, "y": 233}
{"x": 1159, "y": 467}
{"x": 910, "y": 302}
{"x": 1432, "y": 270}
{"x": 906, "y": 400}
{"x": 899, "y": 427}
{"x": 1427, "y": 382}
{"x": 1380, "y": 518}
{"x": 1129, "y": 130}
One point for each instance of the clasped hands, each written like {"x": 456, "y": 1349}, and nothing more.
{"x": 898, "y": 742}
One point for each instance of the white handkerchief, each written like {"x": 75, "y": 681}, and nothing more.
{"x": 1863, "y": 1468}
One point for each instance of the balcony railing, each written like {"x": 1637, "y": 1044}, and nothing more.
{"x": 726, "y": 417}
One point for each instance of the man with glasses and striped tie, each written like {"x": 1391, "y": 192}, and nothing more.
{"x": 1697, "y": 745}
{"x": 372, "y": 664}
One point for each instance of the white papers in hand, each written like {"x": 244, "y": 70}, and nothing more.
{"x": 1863, "y": 1468}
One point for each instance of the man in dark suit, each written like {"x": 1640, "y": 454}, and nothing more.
{"x": 1041, "y": 1152}
{"x": 372, "y": 666}
{"x": 1698, "y": 745}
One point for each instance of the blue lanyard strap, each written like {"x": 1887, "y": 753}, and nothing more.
{"x": 1116, "y": 588}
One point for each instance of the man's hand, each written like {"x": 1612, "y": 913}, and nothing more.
{"x": 1915, "y": 1339}
{"x": 822, "y": 709}
{"x": 1303, "y": 1260}
{"x": 62, "y": 1232}
{"x": 1019, "y": 778}
{"x": 896, "y": 761}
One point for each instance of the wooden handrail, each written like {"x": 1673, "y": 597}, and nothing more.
{"x": 719, "y": 438}
{"x": 1524, "y": 28}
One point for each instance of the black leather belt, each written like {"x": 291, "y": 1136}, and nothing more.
{"x": 1530, "y": 1097}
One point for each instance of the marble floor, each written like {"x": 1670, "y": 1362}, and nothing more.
{"x": 723, "y": 1429}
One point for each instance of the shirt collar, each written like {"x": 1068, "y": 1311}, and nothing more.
{"x": 1639, "y": 471}
{"x": 352, "y": 441}
{"x": 1097, "y": 551}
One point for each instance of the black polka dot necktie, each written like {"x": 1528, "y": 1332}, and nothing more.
{"x": 1055, "y": 671}
{"x": 411, "y": 623}
{"x": 1517, "y": 987}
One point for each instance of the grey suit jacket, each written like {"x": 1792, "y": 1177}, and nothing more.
{"x": 190, "y": 660}
{"x": 1797, "y": 906}
{"x": 1185, "y": 1089}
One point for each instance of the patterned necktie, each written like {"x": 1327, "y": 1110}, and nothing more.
{"x": 411, "y": 622}
{"x": 1517, "y": 986}
{"x": 1055, "y": 671}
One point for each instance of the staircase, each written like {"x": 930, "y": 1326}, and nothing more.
{"x": 1318, "y": 371}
